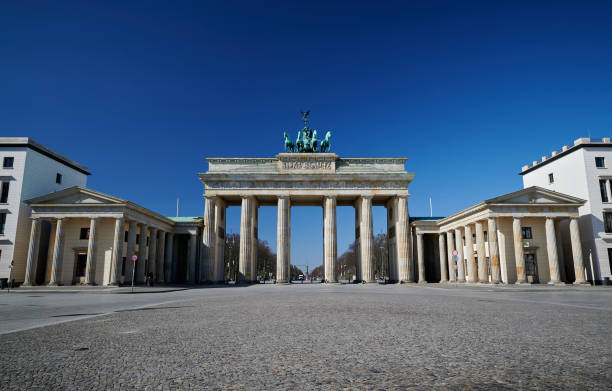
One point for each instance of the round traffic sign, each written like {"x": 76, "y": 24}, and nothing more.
{"x": 134, "y": 257}
{"x": 455, "y": 253}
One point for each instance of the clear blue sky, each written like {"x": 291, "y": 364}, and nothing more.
{"x": 142, "y": 92}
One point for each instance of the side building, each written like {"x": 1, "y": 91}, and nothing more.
{"x": 582, "y": 170}
{"x": 28, "y": 170}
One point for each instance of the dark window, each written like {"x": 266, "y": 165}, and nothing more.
{"x": 58, "y": 178}
{"x": 81, "y": 265}
{"x": 123, "y": 266}
{"x": 5, "y": 191}
{"x": 608, "y": 222}
{"x": 527, "y": 233}
{"x": 147, "y": 240}
{"x": 125, "y": 236}
{"x": 486, "y": 236}
{"x": 2, "y": 222}
{"x": 84, "y": 233}
{"x": 551, "y": 178}
{"x": 8, "y": 162}
{"x": 603, "y": 190}
{"x": 137, "y": 238}
{"x": 600, "y": 162}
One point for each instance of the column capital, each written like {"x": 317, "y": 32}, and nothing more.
{"x": 35, "y": 218}
{"x": 209, "y": 197}
{"x": 331, "y": 196}
{"x": 366, "y": 196}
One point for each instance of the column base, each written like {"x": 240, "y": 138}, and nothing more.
{"x": 460, "y": 280}
{"x": 581, "y": 283}
{"x": 54, "y": 284}
{"x": 522, "y": 283}
{"x": 27, "y": 285}
{"x": 90, "y": 284}
{"x": 444, "y": 281}
{"x": 423, "y": 282}
{"x": 555, "y": 283}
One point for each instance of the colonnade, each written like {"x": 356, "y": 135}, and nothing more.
{"x": 214, "y": 230}
{"x": 159, "y": 260}
{"x": 476, "y": 268}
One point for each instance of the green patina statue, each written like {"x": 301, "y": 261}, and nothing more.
{"x": 306, "y": 141}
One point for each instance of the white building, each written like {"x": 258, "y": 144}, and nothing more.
{"x": 583, "y": 170}
{"x": 28, "y": 170}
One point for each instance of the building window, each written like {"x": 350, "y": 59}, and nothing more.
{"x": 608, "y": 222}
{"x": 486, "y": 236}
{"x": 137, "y": 238}
{"x": 600, "y": 162}
{"x": 8, "y": 162}
{"x": 5, "y": 191}
{"x": 551, "y": 178}
{"x": 125, "y": 237}
{"x": 123, "y": 266}
{"x": 2, "y": 222}
{"x": 58, "y": 178}
{"x": 527, "y": 233}
{"x": 603, "y": 190}
{"x": 84, "y": 233}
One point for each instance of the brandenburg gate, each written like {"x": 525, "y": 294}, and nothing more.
{"x": 306, "y": 177}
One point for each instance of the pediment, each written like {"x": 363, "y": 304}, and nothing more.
{"x": 75, "y": 195}
{"x": 535, "y": 195}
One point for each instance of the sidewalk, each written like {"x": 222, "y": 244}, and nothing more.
{"x": 97, "y": 289}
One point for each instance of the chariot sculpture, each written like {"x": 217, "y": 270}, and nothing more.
{"x": 306, "y": 141}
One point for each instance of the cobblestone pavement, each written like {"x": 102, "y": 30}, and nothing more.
{"x": 326, "y": 337}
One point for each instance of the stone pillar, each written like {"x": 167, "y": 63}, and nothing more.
{"x": 129, "y": 252}
{"x": 442, "y": 252}
{"x": 519, "y": 259}
{"x": 551, "y": 248}
{"x": 577, "y": 251}
{"x": 169, "y": 257}
{"x": 90, "y": 267}
{"x": 153, "y": 252}
{"x": 219, "y": 249}
{"x": 117, "y": 255}
{"x": 469, "y": 254}
{"x": 32, "y": 253}
{"x": 503, "y": 262}
{"x": 483, "y": 274}
{"x": 192, "y": 257}
{"x": 208, "y": 241}
{"x": 421, "y": 259}
{"x": 367, "y": 240}
{"x": 58, "y": 253}
{"x": 330, "y": 246}
{"x": 244, "y": 263}
{"x": 493, "y": 250}
{"x": 254, "y": 240}
{"x": 450, "y": 244}
{"x": 142, "y": 253}
{"x": 402, "y": 240}
{"x": 161, "y": 255}
{"x": 283, "y": 231}
{"x": 459, "y": 248}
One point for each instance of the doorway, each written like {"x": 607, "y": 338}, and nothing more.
{"x": 531, "y": 268}
{"x": 80, "y": 266}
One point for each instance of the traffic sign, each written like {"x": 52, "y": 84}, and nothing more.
{"x": 134, "y": 258}
{"x": 455, "y": 253}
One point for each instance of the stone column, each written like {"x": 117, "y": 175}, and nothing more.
{"x": 254, "y": 240}
{"x": 577, "y": 251}
{"x": 117, "y": 255}
{"x": 367, "y": 240}
{"x": 469, "y": 254}
{"x": 493, "y": 250}
{"x": 130, "y": 250}
{"x": 219, "y": 249}
{"x": 551, "y": 248}
{"x": 421, "y": 259}
{"x": 402, "y": 240}
{"x": 283, "y": 228}
{"x": 450, "y": 244}
{"x": 330, "y": 246}
{"x": 244, "y": 263}
{"x": 208, "y": 241}
{"x": 442, "y": 252}
{"x": 519, "y": 259}
{"x": 142, "y": 253}
{"x": 192, "y": 257}
{"x": 459, "y": 248}
{"x": 153, "y": 252}
{"x": 90, "y": 272}
{"x": 483, "y": 274}
{"x": 169, "y": 257}
{"x": 58, "y": 253}
{"x": 32, "y": 253}
{"x": 503, "y": 262}
{"x": 161, "y": 255}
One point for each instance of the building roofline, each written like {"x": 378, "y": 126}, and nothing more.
{"x": 48, "y": 152}
{"x": 579, "y": 143}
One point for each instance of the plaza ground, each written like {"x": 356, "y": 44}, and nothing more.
{"x": 437, "y": 336}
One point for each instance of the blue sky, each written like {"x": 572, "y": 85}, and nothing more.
{"x": 142, "y": 92}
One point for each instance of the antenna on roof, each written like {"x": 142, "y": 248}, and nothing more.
{"x": 430, "y": 208}
{"x": 177, "y": 206}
